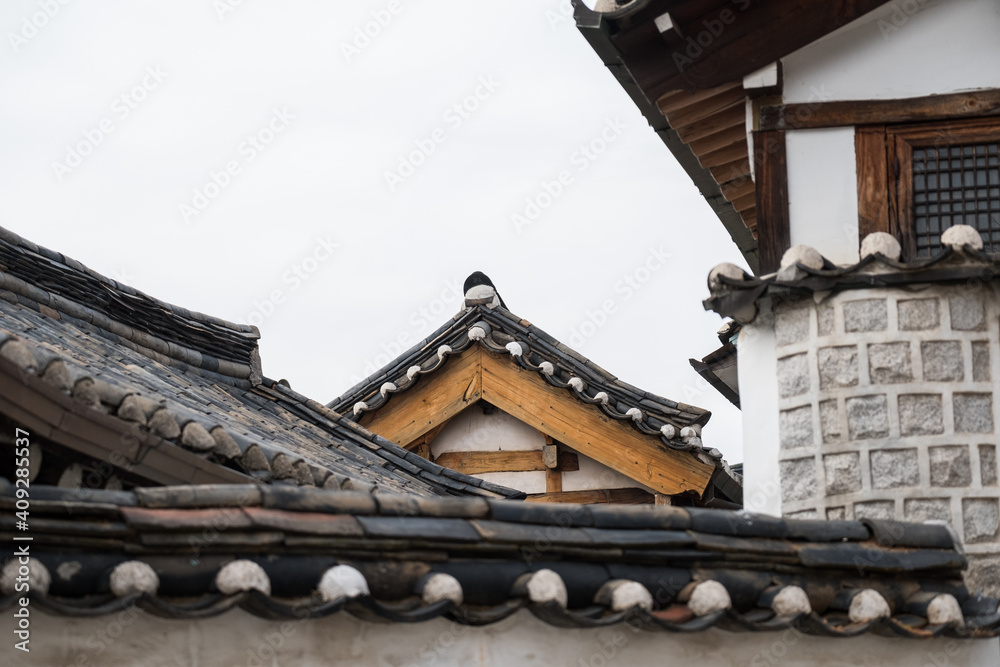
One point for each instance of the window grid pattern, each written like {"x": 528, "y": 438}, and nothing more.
{"x": 956, "y": 185}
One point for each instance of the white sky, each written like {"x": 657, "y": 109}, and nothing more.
{"x": 223, "y": 68}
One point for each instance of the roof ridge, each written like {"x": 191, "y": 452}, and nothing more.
{"x": 156, "y": 329}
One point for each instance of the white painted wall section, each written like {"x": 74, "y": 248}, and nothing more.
{"x": 472, "y": 430}
{"x": 906, "y": 48}
{"x": 594, "y": 475}
{"x": 823, "y": 192}
{"x": 758, "y": 371}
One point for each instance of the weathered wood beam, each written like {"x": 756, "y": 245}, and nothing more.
{"x": 526, "y": 396}
{"x": 773, "y": 235}
{"x": 416, "y": 412}
{"x": 810, "y": 115}
{"x": 613, "y": 496}
{"x": 873, "y": 185}
{"x": 474, "y": 463}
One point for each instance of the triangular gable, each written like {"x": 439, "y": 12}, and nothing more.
{"x": 488, "y": 354}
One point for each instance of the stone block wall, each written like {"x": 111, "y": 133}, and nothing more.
{"x": 887, "y": 410}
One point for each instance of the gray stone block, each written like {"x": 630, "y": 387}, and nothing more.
{"x": 798, "y": 479}
{"x": 866, "y": 315}
{"x": 981, "y": 361}
{"x": 889, "y": 363}
{"x": 980, "y": 519}
{"x": 920, "y": 414}
{"x": 927, "y": 509}
{"x": 804, "y": 514}
{"x": 867, "y": 417}
{"x": 793, "y": 375}
{"x": 843, "y": 473}
{"x": 838, "y": 366}
{"x": 950, "y": 466}
{"x": 826, "y": 320}
{"x": 875, "y": 509}
{"x": 983, "y": 574}
{"x": 942, "y": 360}
{"x": 892, "y": 468}
{"x": 791, "y": 323}
{"x": 988, "y": 465}
{"x": 918, "y": 314}
{"x": 967, "y": 312}
{"x": 795, "y": 427}
{"x": 835, "y": 514}
{"x": 829, "y": 421}
{"x": 973, "y": 413}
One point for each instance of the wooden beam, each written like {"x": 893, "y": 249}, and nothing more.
{"x": 772, "y": 198}
{"x": 625, "y": 496}
{"x": 974, "y": 104}
{"x": 424, "y": 441}
{"x": 553, "y": 480}
{"x": 439, "y": 397}
{"x": 873, "y": 185}
{"x": 475, "y": 463}
{"x": 526, "y": 396}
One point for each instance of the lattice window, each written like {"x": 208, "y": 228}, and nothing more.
{"x": 955, "y": 185}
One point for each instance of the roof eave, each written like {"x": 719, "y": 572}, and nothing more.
{"x": 596, "y": 31}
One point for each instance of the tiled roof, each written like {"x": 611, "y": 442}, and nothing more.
{"x": 284, "y": 552}
{"x": 85, "y": 343}
{"x": 805, "y": 271}
{"x": 496, "y": 329}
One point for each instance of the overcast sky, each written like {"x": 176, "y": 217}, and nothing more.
{"x": 332, "y": 172}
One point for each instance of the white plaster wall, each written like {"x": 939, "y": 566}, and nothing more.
{"x": 529, "y": 482}
{"x": 472, "y": 430}
{"x": 594, "y": 475}
{"x": 758, "y": 372}
{"x": 823, "y": 192}
{"x": 906, "y": 48}
{"x": 238, "y": 639}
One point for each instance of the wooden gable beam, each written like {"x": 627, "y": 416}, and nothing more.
{"x": 437, "y": 398}
{"x": 526, "y": 396}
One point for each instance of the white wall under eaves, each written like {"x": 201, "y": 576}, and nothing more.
{"x": 906, "y": 48}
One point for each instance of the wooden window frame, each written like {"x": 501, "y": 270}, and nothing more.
{"x": 885, "y": 170}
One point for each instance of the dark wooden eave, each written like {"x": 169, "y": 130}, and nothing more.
{"x": 758, "y": 34}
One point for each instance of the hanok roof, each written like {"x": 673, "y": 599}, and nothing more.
{"x": 683, "y": 63}
{"x": 804, "y": 271}
{"x": 719, "y": 368}
{"x": 287, "y": 552}
{"x": 647, "y": 437}
{"x": 106, "y": 371}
